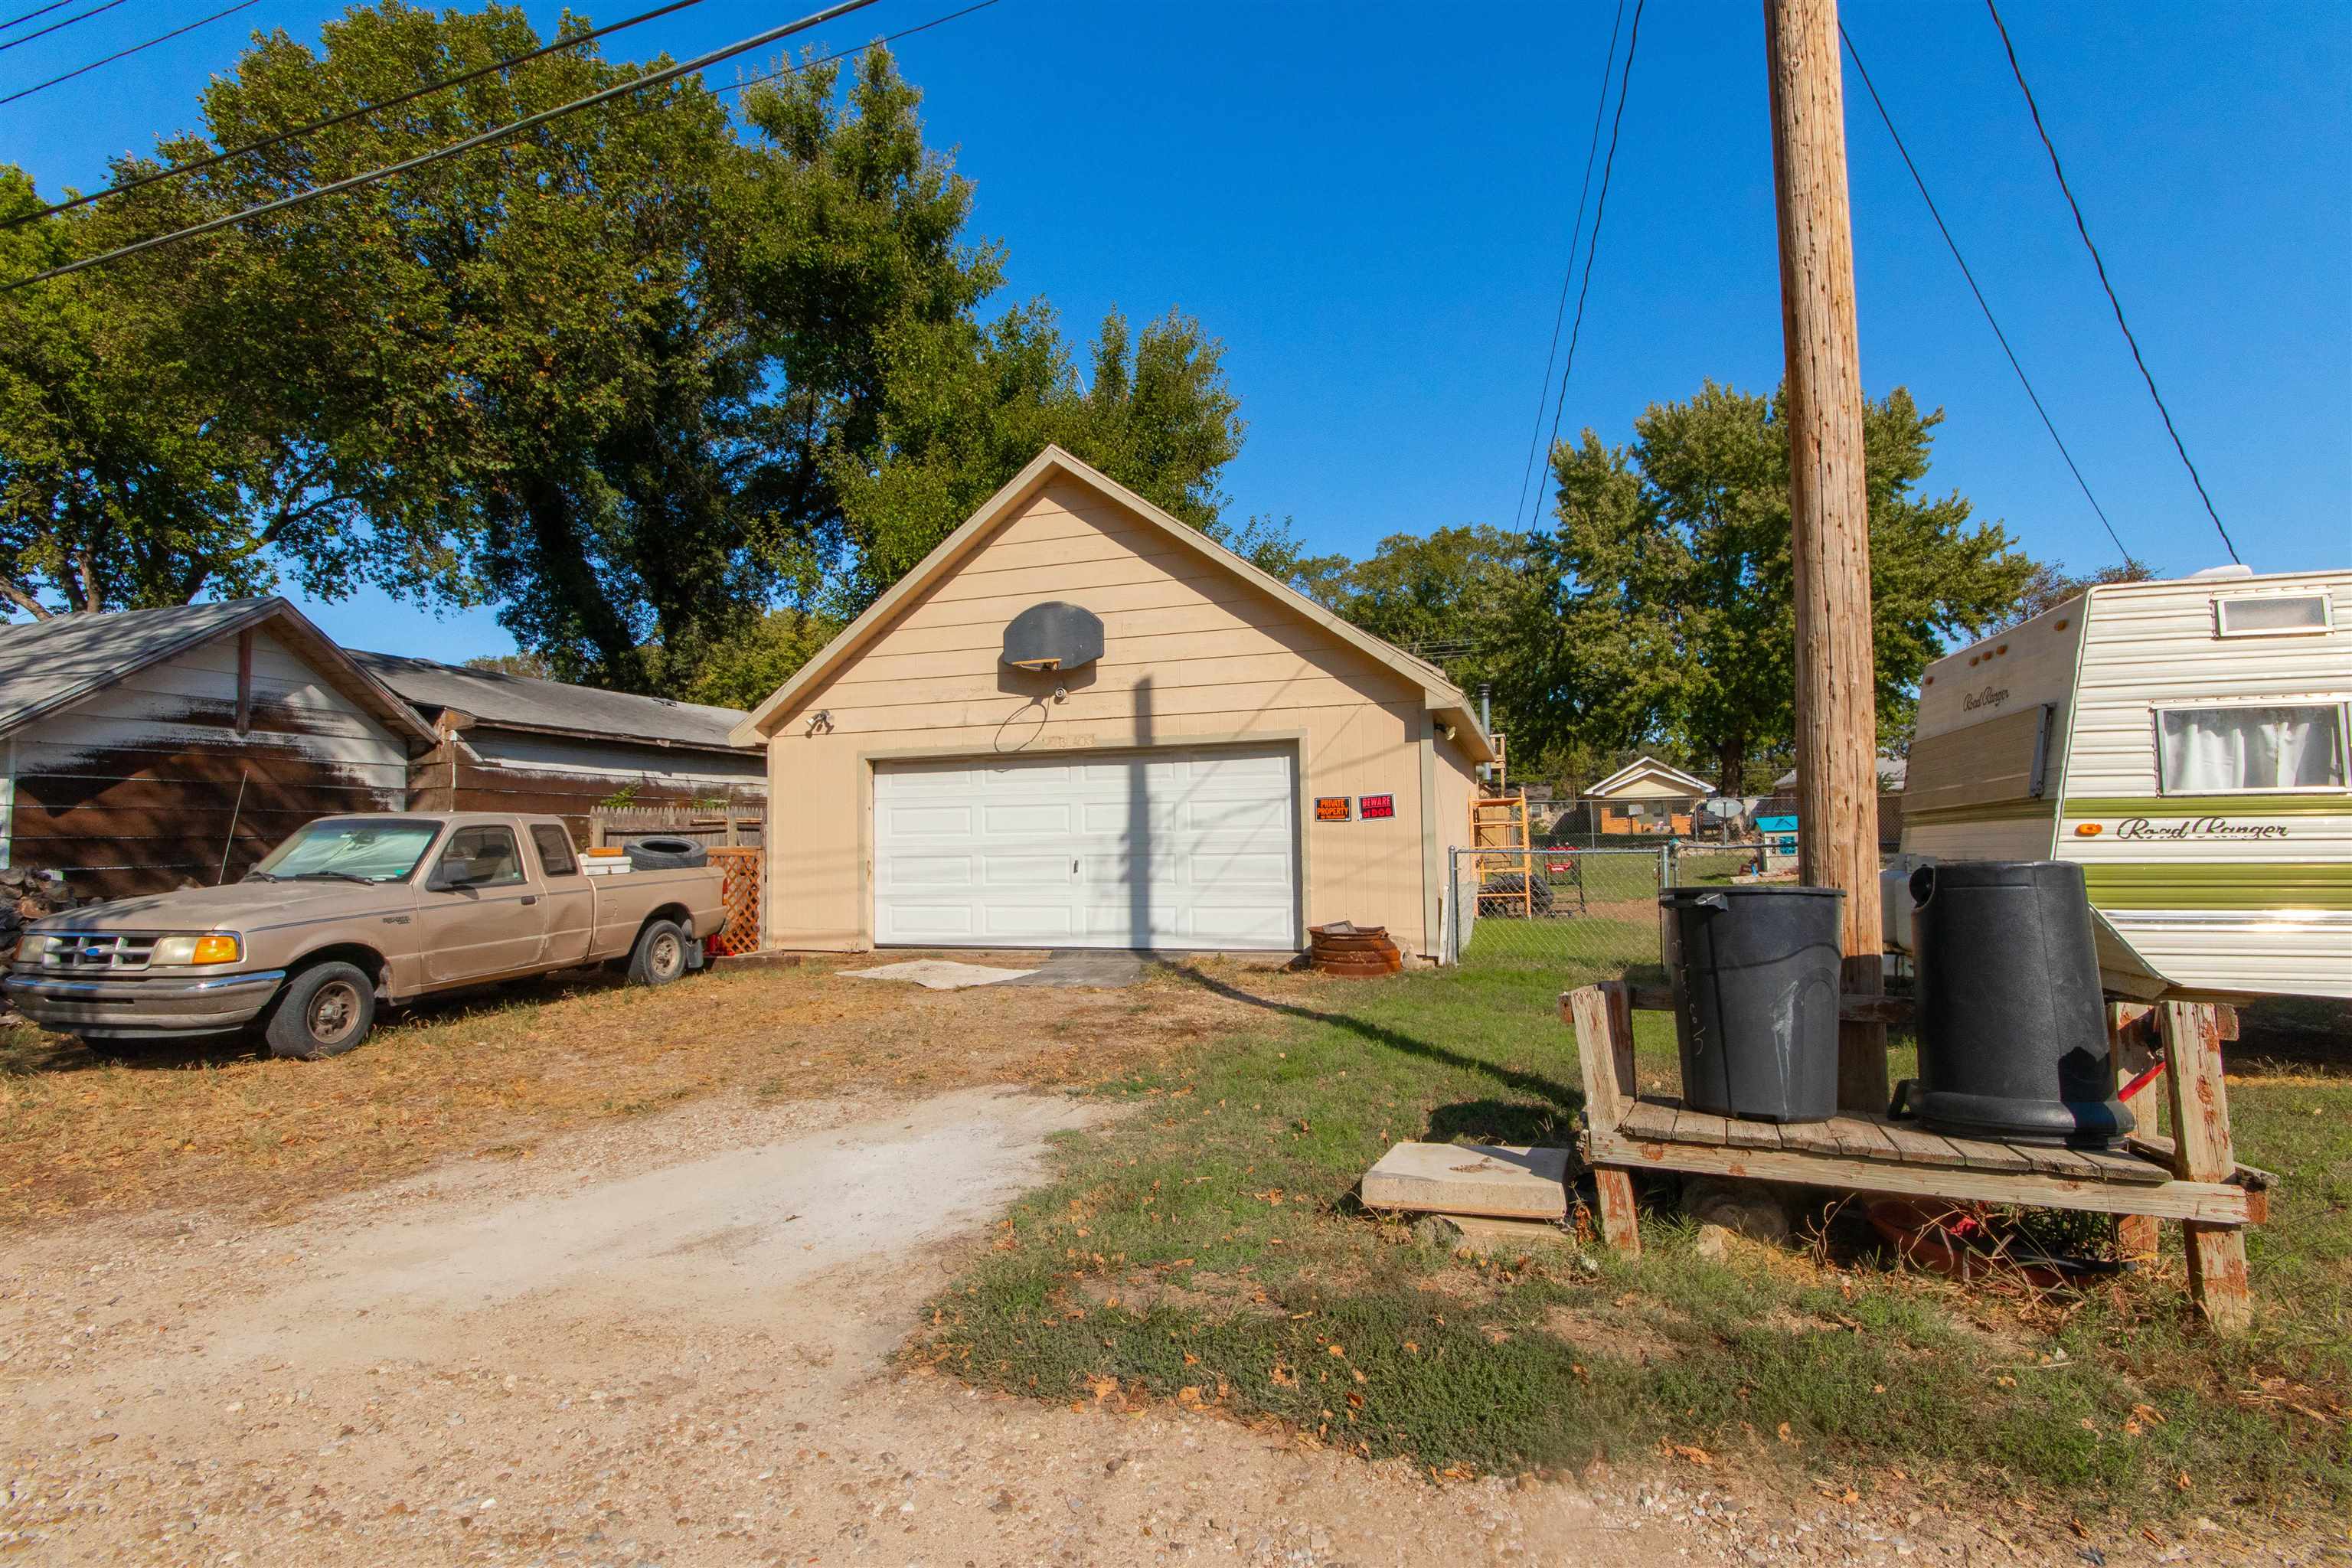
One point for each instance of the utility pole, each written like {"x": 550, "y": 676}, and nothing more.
{"x": 1837, "y": 699}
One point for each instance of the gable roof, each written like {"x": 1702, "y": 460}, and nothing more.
{"x": 1640, "y": 765}
{"x": 1891, "y": 773}
{"x": 550, "y": 707}
{"x": 48, "y": 665}
{"x": 1442, "y": 696}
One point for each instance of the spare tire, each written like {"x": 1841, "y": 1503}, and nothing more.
{"x": 657, "y": 853}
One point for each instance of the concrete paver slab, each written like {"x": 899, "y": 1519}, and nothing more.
{"x": 1471, "y": 1178}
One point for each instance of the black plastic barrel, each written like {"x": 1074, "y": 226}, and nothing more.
{"x": 2012, "y": 1026}
{"x": 1755, "y": 974}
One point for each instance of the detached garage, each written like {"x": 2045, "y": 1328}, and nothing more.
{"x": 1080, "y": 722}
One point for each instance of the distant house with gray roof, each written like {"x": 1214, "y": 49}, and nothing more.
{"x": 511, "y": 742}
{"x": 146, "y": 749}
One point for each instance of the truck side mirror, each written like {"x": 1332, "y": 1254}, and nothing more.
{"x": 455, "y": 871}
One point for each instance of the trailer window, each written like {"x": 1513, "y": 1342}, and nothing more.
{"x": 2205, "y": 751}
{"x": 2270, "y": 614}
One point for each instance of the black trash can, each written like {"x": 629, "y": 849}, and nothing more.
{"x": 1755, "y": 973}
{"x": 2012, "y": 1025}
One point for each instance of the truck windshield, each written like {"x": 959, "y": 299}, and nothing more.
{"x": 350, "y": 850}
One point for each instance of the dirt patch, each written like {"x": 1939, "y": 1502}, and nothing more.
{"x": 1213, "y": 1295}
{"x": 1628, "y": 1336}
{"x": 224, "y": 1125}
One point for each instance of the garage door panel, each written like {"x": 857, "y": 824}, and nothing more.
{"x": 1176, "y": 849}
{"x": 928, "y": 870}
{"x": 1026, "y": 819}
{"x": 908, "y": 823}
{"x": 1048, "y": 870}
{"x": 1054, "y": 923}
{"x": 910, "y": 921}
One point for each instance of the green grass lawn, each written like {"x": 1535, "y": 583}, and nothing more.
{"x": 1209, "y": 1249}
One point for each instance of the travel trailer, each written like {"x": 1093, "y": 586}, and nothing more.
{"x": 2185, "y": 742}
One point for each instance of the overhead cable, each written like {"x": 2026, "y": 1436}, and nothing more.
{"x": 36, "y": 11}
{"x": 568, "y": 41}
{"x": 2084, "y": 229}
{"x": 845, "y": 54}
{"x": 45, "y": 32}
{"x": 1982, "y": 304}
{"x": 125, "y": 54}
{"x": 1599, "y": 210}
{"x": 651, "y": 78}
{"x": 1567, "y": 273}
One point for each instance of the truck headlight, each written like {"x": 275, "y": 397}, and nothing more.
{"x": 197, "y": 949}
{"x": 31, "y": 945}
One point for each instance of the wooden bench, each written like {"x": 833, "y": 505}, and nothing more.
{"x": 2191, "y": 1177}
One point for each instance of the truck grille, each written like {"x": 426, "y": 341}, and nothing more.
{"x": 93, "y": 952}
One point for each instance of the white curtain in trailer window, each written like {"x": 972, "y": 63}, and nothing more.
{"x": 2218, "y": 750}
{"x": 1169, "y": 849}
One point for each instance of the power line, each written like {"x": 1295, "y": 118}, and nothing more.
{"x": 1599, "y": 210}
{"x": 45, "y": 32}
{"x": 2084, "y": 229}
{"x": 38, "y": 11}
{"x": 651, "y": 78}
{"x": 845, "y": 54}
{"x": 571, "y": 41}
{"x": 1568, "y": 274}
{"x": 125, "y": 54}
{"x": 1953, "y": 246}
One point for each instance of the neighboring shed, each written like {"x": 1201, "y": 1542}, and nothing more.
{"x": 149, "y": 748}
{"x": 1646, "y": 795}
{"x": 509, "y": 742}
{"x": 1236, "y": 764}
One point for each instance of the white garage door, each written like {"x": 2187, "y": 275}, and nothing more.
{"x": 1166, "y": 848}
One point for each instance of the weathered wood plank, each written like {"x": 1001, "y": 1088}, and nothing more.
{"x": 1649, "y": 1119}
{"x": 1744, "y": 1134}
{"x": 2203, "y": 1152}
{"x": 2156, "y": 1146}
{"x": 1620, "y": 1219}
{"x": 2210, "y": 1202}
{"x": 1810, "y": 1137}
{"x": 1982, "y": 1154}
{"x": 1606, "y": 1096}
{"x": 1701, "y": 1127}
{"x": 1916, "y": 1145}
{"x": 1861, "y": 1140}
{"x": 2121, "y": 1167}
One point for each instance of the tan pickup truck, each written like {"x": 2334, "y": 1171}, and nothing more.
{"x": 350, "y": 913}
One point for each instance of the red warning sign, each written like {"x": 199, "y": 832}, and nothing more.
{"x": 1379, "y": 805}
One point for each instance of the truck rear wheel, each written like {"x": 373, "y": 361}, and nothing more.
{"x": 660, "y": 956}
{"x": 323, "y": 1012}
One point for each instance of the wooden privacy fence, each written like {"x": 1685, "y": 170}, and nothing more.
{"x": 730, "y": 826}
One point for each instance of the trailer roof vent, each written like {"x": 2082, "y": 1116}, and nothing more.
{"x": 1053, "y": 636}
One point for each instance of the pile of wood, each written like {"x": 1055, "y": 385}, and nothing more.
{"x": 1344, "y": 947}
{"x": 25, "y": 897}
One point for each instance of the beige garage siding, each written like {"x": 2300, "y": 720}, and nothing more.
{"x": 1193, "y": 654}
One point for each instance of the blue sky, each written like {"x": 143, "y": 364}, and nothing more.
{"x": 1372, "y": 210}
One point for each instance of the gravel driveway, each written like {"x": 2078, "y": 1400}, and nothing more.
{"x": 666, "y": 1342}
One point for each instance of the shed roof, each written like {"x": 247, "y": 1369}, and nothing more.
{"x": 1651, "y": 766}
{"x": 1442, "y": 695}
{"x": 523, "y": 702}
{"x": 1892, "y": 771}
{"x": 48, "y": 665}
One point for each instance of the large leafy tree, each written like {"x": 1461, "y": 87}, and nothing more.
{"x": 1668, "y": 611}
{"x": 644, "y": 377}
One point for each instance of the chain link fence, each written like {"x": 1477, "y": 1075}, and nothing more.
{"x": 1587, "y": 913}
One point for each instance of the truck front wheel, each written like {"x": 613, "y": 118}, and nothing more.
{"x": 660, "y": 956}
{"x": 324, "y": 1011}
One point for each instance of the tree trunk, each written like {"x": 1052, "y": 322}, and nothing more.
{"x": 1731, "y": 763}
